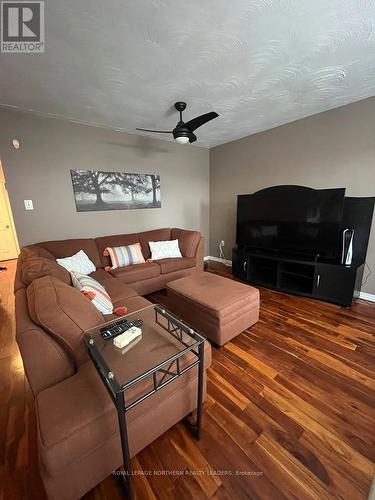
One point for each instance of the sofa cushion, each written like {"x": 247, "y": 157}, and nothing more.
{"x": 117, "y": 240}
{"x": 37, "y": 267}
{"x": 172, "y": 265}
{"x": 63, "y": 312}
{"x": 77, "y": 415}
{"x": 66, "y": 248}
{"x": 155, "y": 235}
{"x": 132, "y": 304}
{"x": 116, "y": 288}
{"x": 101, "y": 276}
{"x": 188, "y": 241}
{"x": 137, "y": 272}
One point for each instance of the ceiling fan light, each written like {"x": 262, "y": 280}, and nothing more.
{"x": 182, "y": 139}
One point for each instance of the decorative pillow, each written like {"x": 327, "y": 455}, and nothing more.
{"x": 78, "y": 263}
{"x": 164, "y": 249}
{"x": 64, "y": 312}
{"x": 37, "y": 267}
{"x": 125, "y": 256}
{"x": 93, "y": 291}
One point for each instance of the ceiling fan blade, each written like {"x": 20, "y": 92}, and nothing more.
{"x": 156, "y": 131}
{"x": 193, "y": 138}
{"x": 200, "y": 120}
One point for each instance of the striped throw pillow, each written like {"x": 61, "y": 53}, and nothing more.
{"x": 125, "y": 256}
{"x": 93, "y": 291}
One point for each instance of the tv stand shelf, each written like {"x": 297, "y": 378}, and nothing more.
{"x": 326, "y": 281}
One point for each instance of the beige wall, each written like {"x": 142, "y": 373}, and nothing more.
{"x": 332, "y": 149}
{"x": 39, "y": 170}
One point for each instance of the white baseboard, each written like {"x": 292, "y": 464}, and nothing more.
{"x": 362, "y": 295}
{"x": 217, "y": 259}
{"x": 367, "y": 296}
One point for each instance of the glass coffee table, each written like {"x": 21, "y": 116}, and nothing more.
{"x": 167, "y": 349}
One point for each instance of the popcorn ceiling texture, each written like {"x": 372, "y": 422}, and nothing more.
{"x": 258, "y": 63}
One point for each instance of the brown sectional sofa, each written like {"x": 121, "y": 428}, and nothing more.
{"x": 78, "y": 435}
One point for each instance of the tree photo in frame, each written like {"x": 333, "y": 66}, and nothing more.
{"x": 100, "y": 190}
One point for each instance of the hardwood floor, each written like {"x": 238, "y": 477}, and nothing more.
{"x": 290, "y": 411}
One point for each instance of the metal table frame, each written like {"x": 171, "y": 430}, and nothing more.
{"x": 169, "y": 367}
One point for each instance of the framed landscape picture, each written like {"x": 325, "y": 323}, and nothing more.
{"x": 97, "y": 190}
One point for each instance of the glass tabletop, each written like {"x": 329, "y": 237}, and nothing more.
{"x": 164, "y": 339}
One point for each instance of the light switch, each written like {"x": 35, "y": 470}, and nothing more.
{"x": 28, "y": 204}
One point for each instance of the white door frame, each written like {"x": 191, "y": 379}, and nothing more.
{"x": 10, "y": 214}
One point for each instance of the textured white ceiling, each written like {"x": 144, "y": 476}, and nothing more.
{"x": 258, "y": 63}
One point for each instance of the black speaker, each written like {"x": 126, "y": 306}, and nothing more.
{"x": 358, "y": 215}
{"x": 347, "y": 247}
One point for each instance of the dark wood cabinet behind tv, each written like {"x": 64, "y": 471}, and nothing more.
{"x": 331, "y": 282}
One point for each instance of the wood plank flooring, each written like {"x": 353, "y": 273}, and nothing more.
{"x": 290, "y": 411}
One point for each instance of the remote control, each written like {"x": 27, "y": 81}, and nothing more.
{"x": 127, "y": 338}
{"x": 111, "y": 331}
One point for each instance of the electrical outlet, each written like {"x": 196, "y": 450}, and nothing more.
{"x": 28, "y": 204}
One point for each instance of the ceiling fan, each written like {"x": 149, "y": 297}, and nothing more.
{"x": 184, "y": 132}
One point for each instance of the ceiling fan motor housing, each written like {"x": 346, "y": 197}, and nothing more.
{"x": 181, "y": 129}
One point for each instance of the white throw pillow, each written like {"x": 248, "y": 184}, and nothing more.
{"x": 78, "y": 263}
{"x": 164, "y": 249}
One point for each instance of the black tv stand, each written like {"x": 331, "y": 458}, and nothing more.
{"x": 311, "y": 278}
{"x": 280, "y": 254}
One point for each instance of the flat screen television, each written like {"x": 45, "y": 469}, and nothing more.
{"x": 292, "y": 219}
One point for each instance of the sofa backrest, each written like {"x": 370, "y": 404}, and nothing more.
{"x": 116, "y": 240}
{"x": 37, "y": 267}
{"x": 163, "y": 234}
{"x": 46, "y": 363}
{"x": 94, "y": 248}
{"x": 188, "y": 241}
{"x": 35, "y": 251}
{"x": 29, "y": 252}
{"x": 66, "y": 248}
{"x": 64, "y": 313}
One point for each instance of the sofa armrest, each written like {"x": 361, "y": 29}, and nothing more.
{"x": 199, "y": 256}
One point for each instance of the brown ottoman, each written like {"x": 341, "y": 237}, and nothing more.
{"x": 219, "y": 308}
